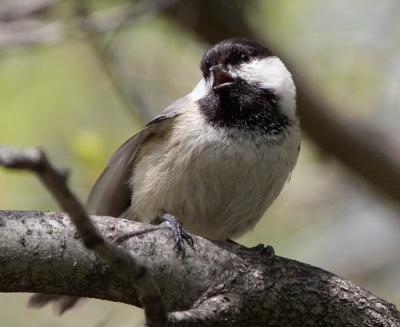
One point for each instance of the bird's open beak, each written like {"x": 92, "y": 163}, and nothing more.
{"x": 222, "y": 78}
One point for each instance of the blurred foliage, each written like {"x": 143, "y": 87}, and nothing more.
{"x": 60, "y": 98}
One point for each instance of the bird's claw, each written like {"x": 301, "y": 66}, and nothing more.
{"x": 179, "y": 235}
{"x": 266, "y": 250}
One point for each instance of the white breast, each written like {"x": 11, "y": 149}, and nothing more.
{"x": 218, "y": 182}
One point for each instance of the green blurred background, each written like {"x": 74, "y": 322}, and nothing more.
{"x": 59, "y": 96}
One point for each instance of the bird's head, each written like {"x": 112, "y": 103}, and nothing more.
{"x": 245, "y": 72}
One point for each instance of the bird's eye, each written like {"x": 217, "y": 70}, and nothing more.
{"x": 245, "y": 57}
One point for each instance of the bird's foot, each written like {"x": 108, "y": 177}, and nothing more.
{"x": 267, "y": 250}
{"x": 166, "y": 221}
{"x": 179, "y": 235}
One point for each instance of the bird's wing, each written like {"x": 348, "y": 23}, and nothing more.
{"x": 111, "y": 194}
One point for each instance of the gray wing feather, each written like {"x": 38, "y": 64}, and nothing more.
{"x": 111, "y": 194}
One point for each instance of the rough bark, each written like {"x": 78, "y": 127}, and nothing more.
{"x": 55, "y": 180}
{"x": 40, "y": 252}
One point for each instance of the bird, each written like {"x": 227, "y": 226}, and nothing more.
{"x": 215, "y": 159}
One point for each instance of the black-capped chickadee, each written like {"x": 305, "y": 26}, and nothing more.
{"x": 216, "y": 158}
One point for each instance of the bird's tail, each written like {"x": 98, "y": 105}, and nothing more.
{"x": 61, "y": 303}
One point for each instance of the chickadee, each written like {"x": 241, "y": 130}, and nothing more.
{"x": 216, "y": 158}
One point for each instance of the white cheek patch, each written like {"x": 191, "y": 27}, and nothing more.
{"x": 271, "y": 73}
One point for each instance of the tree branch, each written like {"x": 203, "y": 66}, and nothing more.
{"x": 216, "y": 281}
{"x": 92, "y": 28}
{"x": 15, "y": 32}
{"x": 133, "y": 101}
{"x": 22, "y": 9}
{"x": 28, "y": 32}
{"x": 36, "y": 161}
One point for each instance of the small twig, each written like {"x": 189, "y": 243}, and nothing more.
{"x": 29, "y": 32}
{"x": 114, "y": 21}
{"x": 141, "y": 9}
{"x": 36, "y": 161}
{"x": 132, "y": 99}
